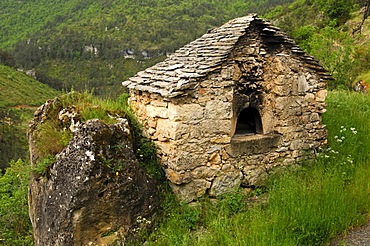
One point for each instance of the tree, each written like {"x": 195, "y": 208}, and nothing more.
{"x": 334, "y": 49}
{"x": 366, "y": 13}
{"x": 337, "y": 10}
{"x": 6, "y": 58}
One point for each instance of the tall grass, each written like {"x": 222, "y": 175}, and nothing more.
{"x": 305, "y": 205}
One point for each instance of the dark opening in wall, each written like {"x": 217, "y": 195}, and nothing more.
{"x": 249, "y": 122}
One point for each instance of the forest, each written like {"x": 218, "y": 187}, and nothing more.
{"x": 51, "y": 47}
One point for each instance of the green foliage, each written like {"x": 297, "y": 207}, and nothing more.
{"x": 43, "y": 165}
{"x": 337, "y": 10}
{"x": 146, "y": 153}
{"x": 339, "y": 45}
{"x": 51, "y": 138}
{"x": 303, "y": 34}
{"x": 334, "y": 49}
{"x": 15, "y": 225}
{"x": 13, "y": 142}
{"x": 293, "y": 16}
{"x": 97, "y": 112}
{"x": 6, "y": 59}
{"x": 190, "y": 216}
{"x": 233, "y": 202}
{"x": 53, "y": 135}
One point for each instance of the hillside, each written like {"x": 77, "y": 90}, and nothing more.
{"x": 16, "y": 88}
{"x": 136, "y": 23}
{"x": 98, "y": 44}
{"x": 18, "y": 92}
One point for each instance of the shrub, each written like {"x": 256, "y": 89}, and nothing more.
{"x": 15, "y": 225}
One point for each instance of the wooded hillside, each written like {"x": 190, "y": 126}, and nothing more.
{"x": 95, "y": 44}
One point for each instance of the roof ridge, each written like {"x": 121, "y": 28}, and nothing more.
{"x": 196, "y": 59}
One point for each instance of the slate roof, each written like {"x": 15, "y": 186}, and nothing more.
{"x": 197, "y": 59}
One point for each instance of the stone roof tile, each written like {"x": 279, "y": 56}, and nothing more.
{"x": 182, "y": 69}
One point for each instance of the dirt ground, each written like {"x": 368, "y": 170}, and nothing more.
{"x": 359, "y": 236}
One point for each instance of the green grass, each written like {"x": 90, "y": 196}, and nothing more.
{"x": 305, "y": 205}
{"x": 16, "y": 88}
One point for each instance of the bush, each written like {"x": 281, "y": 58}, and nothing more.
{"x": 15, "y": 225}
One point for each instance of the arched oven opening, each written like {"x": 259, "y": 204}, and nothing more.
{"x": 249, "y": 122}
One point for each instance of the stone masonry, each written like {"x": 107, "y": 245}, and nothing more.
{"x": 197, "y": 104}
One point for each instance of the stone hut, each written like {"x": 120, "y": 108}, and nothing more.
{"x": 228, "y": 107}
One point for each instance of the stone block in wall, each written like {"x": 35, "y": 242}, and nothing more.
{"x": 178, "y": 177}
{"x": 314, "y": 117}
{"x": 302, "y": 83}
{"x": 151, "y": 122}
{"x": 255, "y": 144}
{"x": 159, "y": 103}
{"x": 282, "y": 90}
{"x": 166, "y": 129}
{"x": 322, "y": 133}
{"x": 222, "y": 139}
{"x": 226, "y": 183}
{"x": 220, "y": 94}
{"x": 226, "y": 83}
{"x": 283, "y": 103}
{"x": 208, "y": 83}
{"x": 283, "y": 130}
{"x": 187, "y": 161}
{"x": 154, "y": 111}
{"x": 227, "y": 73}
{"x": 205, "y": 172}
{"x": 309, "y": 97}
{"x": 196, "y": 147}
{"x": 215, "y": 127}
{"x": 185, "y": 112}
{"x": 218, "y": 110}
{"x": 214, "y": 159}
{"x": 164, "y": 147}
{"x": 254, "y": 176}
{"x": 191, "y": 191}
{"x": 297, "y": 145}
{"x": 321, "y": 95}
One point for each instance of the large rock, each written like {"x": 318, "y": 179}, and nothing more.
{"x": 95, "y": 191}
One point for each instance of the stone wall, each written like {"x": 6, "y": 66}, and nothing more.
{"x": 195, "y": 131}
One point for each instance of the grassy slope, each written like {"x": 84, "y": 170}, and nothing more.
{"x": 16, "y": 88}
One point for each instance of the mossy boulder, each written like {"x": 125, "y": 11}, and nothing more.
{"x": 94, "y": 191}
